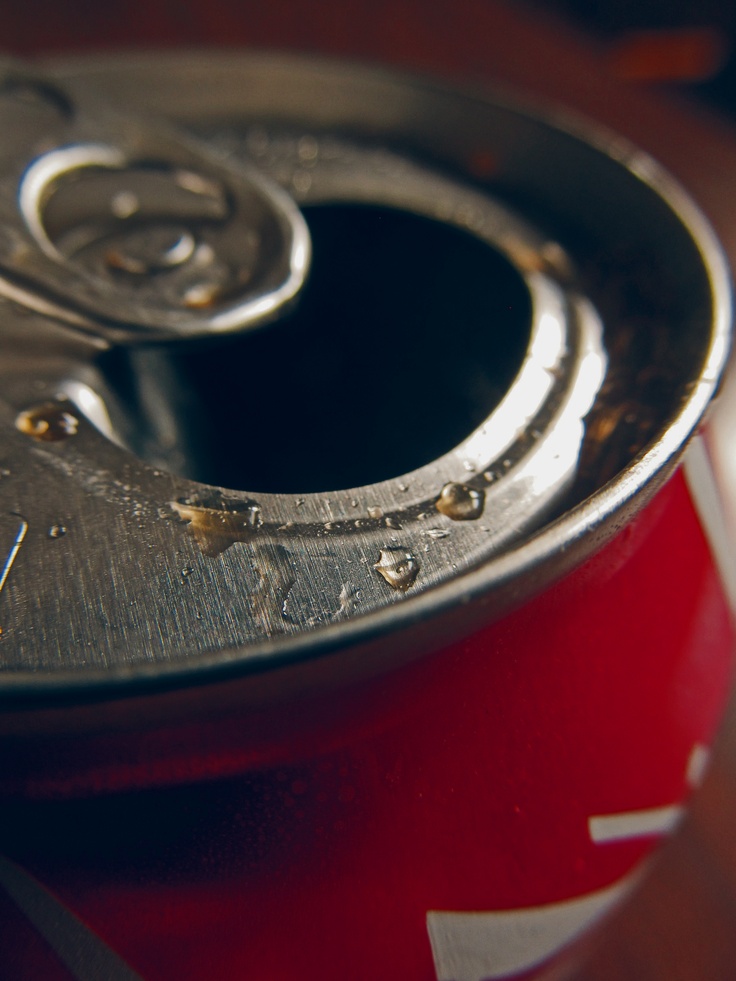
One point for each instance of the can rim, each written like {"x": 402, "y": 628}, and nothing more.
{"x": 589, "y": 524}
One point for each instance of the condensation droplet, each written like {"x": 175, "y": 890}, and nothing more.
{"x": 437, "y": 533}
{"x": 460, "y": 502}
{"x": 398, "y": 566}
{"x": 57, "y": 531}
{"x": 49, "y": 422}
{"x": 200, "y": 296}
{"x": 124, "y": 204}
{"x": 307, "y": 149}
{"x": 375, "y": 512}
{"x": 348, "y": 600}
{"x": 301, "y": 181}
{"x": 187, "y": 571}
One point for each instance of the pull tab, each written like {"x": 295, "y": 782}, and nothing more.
{"x": 124, "y": 228}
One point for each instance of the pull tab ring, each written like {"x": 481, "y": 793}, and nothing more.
{"x": 133, "y": 231}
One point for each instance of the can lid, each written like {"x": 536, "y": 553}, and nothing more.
{"x": 127, "y": 555}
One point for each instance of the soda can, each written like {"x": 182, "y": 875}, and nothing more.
{"x": 365, "y": 608}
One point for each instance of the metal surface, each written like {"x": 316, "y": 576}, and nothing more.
{"x": 117, "y": 570}
{"x": 128, "y": 232}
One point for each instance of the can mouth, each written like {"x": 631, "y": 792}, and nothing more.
{"x": 407, "y": 335}
{"x": 531, "y": 401}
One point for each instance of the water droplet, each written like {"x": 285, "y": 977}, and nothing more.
{"x": 57, "y": 531}
{"x": 489, "y": 476}
{"x": 460, "y": 502}
{"x": 277, "y": 576}
{"x": 354, "y": 503}
{"x": 187, "y": 571}
{"x": 200, "y": 296}
{"x": 403, "y": 488}
{"x": 469, "y": 466}
{"x": 437, "y": 533}
{"x": 299, "y": 501}
{"x": 348, "y": 600}
{"x": 392, "y": 522}
{"x": 124, "y": 204}
{"x": 375, "y": 512}
{"x": 398, "y": 567}
{"x": 301, "y": 181}
{"x": 308, "y": 149}
{"x": 49, "y": 422}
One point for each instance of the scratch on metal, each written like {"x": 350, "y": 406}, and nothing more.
{"x": 15, "y": 548}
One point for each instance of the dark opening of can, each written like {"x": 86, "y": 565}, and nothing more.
{"x": 407, "y": 335}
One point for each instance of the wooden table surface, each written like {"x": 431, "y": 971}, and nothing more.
{"x": 681, "y": 923}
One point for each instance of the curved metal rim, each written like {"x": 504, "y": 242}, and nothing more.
{"x": 592, "y": 518}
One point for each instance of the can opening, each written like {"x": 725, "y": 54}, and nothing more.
{"x": 406, "y": 336}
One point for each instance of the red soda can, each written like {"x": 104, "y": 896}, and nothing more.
{"x": 365, "y": 612}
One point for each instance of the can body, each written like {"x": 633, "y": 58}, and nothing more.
{"x": 505, "y": 788}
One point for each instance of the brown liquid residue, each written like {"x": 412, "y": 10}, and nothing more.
{"x": 215, "y": 529}
{"x": 50, "y": 422}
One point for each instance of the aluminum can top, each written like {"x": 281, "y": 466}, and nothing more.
{"x": 511, "y": 324}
